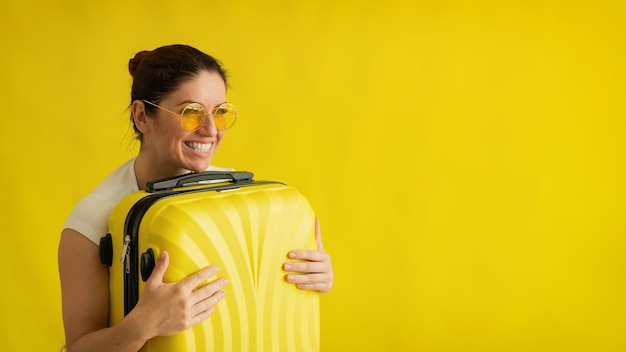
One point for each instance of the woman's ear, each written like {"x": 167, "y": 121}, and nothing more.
{"x": 140, "y": 118}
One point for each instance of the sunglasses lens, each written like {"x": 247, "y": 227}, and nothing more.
{"x": 225, "y": 116}
{"x": 192, "y": 117}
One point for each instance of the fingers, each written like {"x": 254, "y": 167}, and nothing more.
{"x": 308, "y": 278}
{"x": 307, "y": 267}
{"x": 208, "y": 296}
{"x": 176, "y": 306}
{"x": 318, "y": 282}
{"x": 194, "y": 304}
{"x": 160, "y": 267}
{"x": 205, "y": 297}
{"x": 208, "y": 291}
{"x": 322, "y": 287}
{"x": 199, "y": 276}
{"x": 315, "y": 266}
{"x": 317, "y": 272}
{"x": 303, "y": 254}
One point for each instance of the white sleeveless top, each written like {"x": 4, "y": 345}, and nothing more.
{"x": 91, "y": 214}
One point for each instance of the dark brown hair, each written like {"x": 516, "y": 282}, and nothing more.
{"x": 161, "y": 71}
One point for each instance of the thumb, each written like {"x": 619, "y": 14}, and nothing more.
{"x": 318, "y": 235}
{"x": 159, "y": 269}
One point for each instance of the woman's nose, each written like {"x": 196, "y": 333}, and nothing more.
{"x": 208, "y": 127}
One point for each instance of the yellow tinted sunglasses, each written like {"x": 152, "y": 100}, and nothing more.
{"x": 192, "y": 116}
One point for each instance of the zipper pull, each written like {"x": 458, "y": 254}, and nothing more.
{"x": 125, "y": 248}
{"x": 128, "y": 261}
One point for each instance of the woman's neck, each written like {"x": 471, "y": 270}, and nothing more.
{"x": 147, "y": 169}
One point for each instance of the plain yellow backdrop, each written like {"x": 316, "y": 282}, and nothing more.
{"x": 466, "y": 158}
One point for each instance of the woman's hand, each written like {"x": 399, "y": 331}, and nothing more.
{"x": 173, "y": 307}
{"x": 315, "y": 271}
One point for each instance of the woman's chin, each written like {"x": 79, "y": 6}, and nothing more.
{"x": 198, "y": 166}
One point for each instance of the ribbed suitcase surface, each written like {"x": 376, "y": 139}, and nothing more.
{"x": 246, "y": 229}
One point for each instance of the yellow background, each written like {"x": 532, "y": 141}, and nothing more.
{"x": 466, "y": 158}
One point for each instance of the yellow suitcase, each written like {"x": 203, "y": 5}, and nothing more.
{"x": 246, "y": 227}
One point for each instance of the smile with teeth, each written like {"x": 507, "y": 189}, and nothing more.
{"x": 201, "y": 147}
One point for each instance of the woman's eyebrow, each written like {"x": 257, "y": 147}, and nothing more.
{"x": 187, "y": 102}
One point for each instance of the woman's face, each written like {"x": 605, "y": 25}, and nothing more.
{"x": 170, "y": 146}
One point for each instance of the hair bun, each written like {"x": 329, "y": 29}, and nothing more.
{"x": 133, "y": 63}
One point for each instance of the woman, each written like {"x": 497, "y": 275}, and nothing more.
{"x": 166, "y": 82}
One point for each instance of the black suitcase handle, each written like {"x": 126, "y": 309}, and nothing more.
{"x": 198, "y": 177}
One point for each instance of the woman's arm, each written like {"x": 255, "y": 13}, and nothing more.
{"x": 85, "y": 298}
{"x": 315, "y": 272}
{"x": 163, "y": 308}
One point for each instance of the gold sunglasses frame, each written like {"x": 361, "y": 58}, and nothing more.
{"x": 180, "y": 115}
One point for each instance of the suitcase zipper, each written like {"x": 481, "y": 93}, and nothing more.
{"x": 124, "y": 258}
